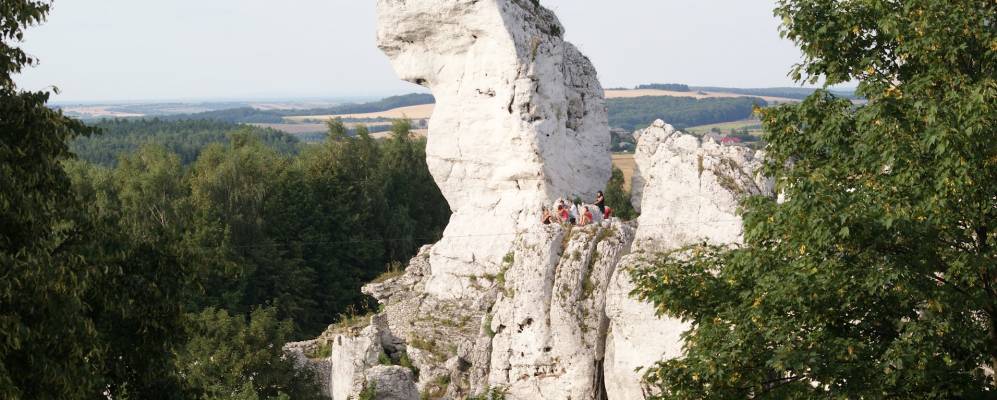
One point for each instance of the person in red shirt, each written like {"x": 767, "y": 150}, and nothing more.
{"x": 564, "y": 213}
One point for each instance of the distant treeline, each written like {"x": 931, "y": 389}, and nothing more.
{"x": 674, "y": 87}
{"x": 184, "y": 138}
{"x": 682, "y": 112}
{"x": 785, "y": 92}
{"x": 249, "y": 115}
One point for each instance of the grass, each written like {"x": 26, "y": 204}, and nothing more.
{"x": 753, "y": 126}
{"x": 438, "y": 388}
{"x": 352, "y": 319}
{"x": 323, "y": 351}
{"x": 423, "y": 344}
{"x": 369, "y": 392}
{"x": 395, "y": 269}
{"x": 492, "y": 393}
{"x": 488, "y": 326}
{"x": 500, "y": 278}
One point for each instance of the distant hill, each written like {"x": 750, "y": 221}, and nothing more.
{"x": 674, "y": 87}
{"x": 249, "y": 115}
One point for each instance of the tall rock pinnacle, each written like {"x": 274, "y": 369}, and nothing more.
{"x": 520, "y": 120}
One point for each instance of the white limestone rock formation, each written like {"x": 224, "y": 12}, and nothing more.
{"x": 688, "y": 192}
{"x": 556, "y": 320}
{"x": 392, "y": 383}
{"x": 520, "y": 120}
{"x": 549, "y": 323}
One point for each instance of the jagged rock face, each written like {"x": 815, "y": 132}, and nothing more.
{"x": 392, "y": 383}
{"x": 520, "y": 120}
{"x": 688, "y": 192}
{"x": 556, "y": 321}
{"x": 549, "y": 321}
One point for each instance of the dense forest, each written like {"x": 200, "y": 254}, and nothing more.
{"x": 682, "y": 112}
{"x": 270, "y": 222}
{"x": 185, "y": 138}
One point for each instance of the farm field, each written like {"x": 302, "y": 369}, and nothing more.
{"x": 295, "y": 129}
{"x": 625, "y": 162}
{"x": 423, "y": 111}
{"x": 626, "y": 94}
{"x": 753, "y": 126}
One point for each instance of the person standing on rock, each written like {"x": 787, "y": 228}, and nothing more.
{"x": 600, "y": 201}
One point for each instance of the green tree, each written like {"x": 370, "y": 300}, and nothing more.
{"x": 46, "y": 339}
{"x": 618, "y": 197}
{"x": 876, "y": 277}
{"x": 239, "y": 357}
{"x": 243, "y": 266}
{"x": 136, "y": 302}
{"x": 418, "y": 212}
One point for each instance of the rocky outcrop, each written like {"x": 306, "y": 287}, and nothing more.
{"x": 556, "y": 321}
{"x": 687, "y": 191}
{"x": 520, "y": 120}
{"x": 549, "y": 320}
{"x": 392, "y": 383}
{"x": 502, "y": 302}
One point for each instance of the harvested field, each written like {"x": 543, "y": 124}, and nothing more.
{"x": 423, "y": 111}
{"x": 625, "y": 162}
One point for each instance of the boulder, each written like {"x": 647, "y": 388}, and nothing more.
{"x": 392, "y": 383}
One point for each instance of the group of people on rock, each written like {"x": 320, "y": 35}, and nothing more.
{"x": 577, "y": 213}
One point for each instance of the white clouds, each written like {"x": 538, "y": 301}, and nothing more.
{"x": 145, "y": 49}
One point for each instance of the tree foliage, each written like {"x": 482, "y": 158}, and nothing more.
{"x": 618, "y": 197}
{"x": 876, "y": 277}
{"x": 180, "y": 272}
{"x": 240, "y": 357}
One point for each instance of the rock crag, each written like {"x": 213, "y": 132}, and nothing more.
{"x": 520, "y": 120}
{"x": 502, "y": 302}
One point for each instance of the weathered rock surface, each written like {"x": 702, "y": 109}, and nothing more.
{"x": 520, "y": 120}
{"x": 549, "y": 321}
{"x": 392, "y": 383}
{"x": 556, "y": 320}
{"x": 687, "y": 191}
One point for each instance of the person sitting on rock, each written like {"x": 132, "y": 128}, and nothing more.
{"x": 563, "y": 211}
{"x": 547, "y": 218}
{"x": 586, "y": 216}
{"x": 608, "y": 213}
{"x": 600, "y": 201}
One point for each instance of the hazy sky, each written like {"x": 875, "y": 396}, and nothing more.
{"x": 101, "y": 50}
